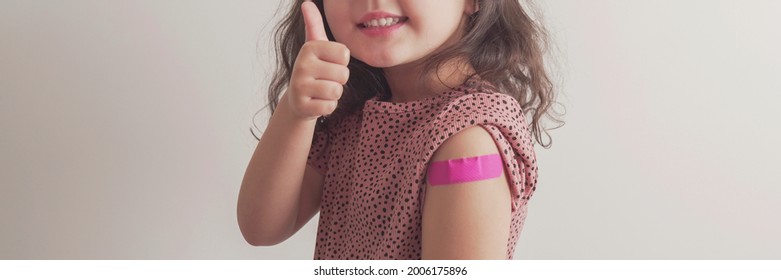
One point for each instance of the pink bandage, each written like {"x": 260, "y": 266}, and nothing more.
{"x": 464, "y": 169}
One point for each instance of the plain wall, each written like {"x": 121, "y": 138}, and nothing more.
{"x": 125, "y": 130}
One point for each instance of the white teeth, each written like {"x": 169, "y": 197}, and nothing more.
{"x": 381, "y": 22}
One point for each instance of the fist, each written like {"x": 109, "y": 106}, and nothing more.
{"x": 320, "y": 70}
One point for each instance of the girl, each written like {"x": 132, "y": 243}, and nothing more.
{"x": 403, "y": 123}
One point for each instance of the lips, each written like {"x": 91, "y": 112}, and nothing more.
{"x": 382, "y": 22}
{"x": 380, "y": 19}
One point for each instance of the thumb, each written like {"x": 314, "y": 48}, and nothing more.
{"x": 313, "y": 22}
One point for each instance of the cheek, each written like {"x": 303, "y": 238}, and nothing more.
{"x": 433, "y": 31}
{"x": 337, "y": 20}
{"x": 436, "y": 25}
{"x": 339, "y": 31}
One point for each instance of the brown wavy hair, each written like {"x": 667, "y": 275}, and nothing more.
{"x": 504, "y": 45}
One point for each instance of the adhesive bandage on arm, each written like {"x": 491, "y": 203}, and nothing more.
{"x": 463, "y": 170}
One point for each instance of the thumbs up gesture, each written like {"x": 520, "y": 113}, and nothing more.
{"x": 319, "y": 72}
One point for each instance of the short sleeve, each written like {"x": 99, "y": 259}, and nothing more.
{"x": 319, "y": 151}
{"x": 502, "y": 117}
{"x": 518, "y": 159}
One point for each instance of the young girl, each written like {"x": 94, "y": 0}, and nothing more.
{"x": 403, "y": 123}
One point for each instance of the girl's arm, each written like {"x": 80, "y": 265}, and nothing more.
{"x": 469, "y": 220}
{"x": 280, "y": 192}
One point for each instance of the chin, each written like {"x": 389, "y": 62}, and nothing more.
{"x": 379, "y": 60}
{"x": 380, "y": 63}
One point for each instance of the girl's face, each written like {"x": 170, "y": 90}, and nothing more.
{"x": 417, "y": 27}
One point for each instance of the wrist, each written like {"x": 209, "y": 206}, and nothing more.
{"x": 286, "y": 112}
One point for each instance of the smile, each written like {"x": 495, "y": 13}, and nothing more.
{"x": 382, "y": 22}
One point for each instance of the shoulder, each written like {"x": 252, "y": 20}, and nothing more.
{"x": 484, "y": 123}
{"x": 468, "y": 142}
{"x": 485, "y": 109}
{"x": 467, "y": 126}
{"x": 482, "y": 106}
{"x": 473, "y": 211}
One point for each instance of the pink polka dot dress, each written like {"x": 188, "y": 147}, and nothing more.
{"x": 375, "y": 163}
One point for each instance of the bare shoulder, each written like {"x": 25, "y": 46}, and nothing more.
{"x": 470, "y": 219}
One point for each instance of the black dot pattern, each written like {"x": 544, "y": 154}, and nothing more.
{"x": 374, "y": 163}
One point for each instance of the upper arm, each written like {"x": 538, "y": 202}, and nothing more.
{"x": 469, "y": 220}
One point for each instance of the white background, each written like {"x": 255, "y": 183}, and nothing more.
{"x": 125, "y": 130}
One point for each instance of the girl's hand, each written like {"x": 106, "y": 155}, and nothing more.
{"x": 319, "y": 72}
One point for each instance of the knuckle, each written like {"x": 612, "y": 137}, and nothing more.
{"x": 336, "y": 90}
{"x": 346, "y": 75}
{"x": 301, "y": 90}
{"x": 345, "y": 54}
{"x": 328, "y": 107}
{"x": 309, "y": 48}
{"x": 323, "y": 89}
